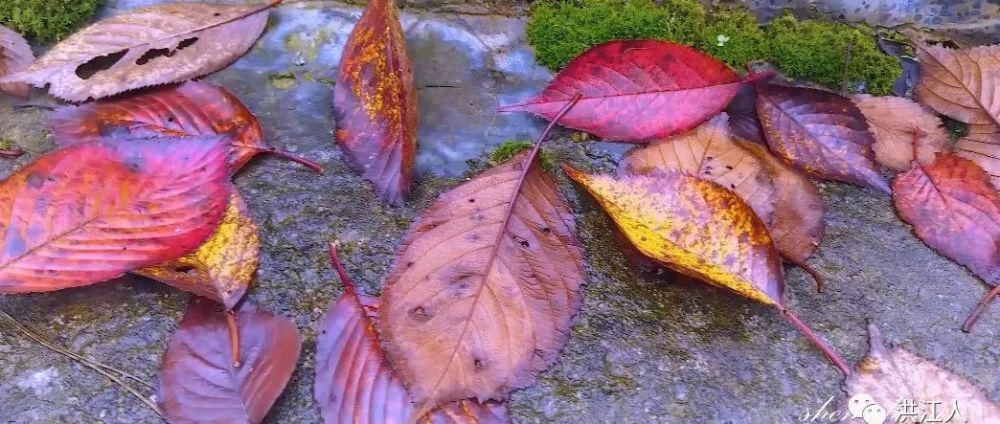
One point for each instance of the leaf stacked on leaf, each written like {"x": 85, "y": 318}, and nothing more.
{"x": 91, "y": 212}
{"x": 481, "y": 296}
{"x": 981, "y": 144}
{"x": 637, "y": 90}
{"x": 961, "y": 83}
{"x": 893, "y": 122}
{"x": 144, "y": 47}
{"x": 15, "y": 56}
{"x": 742, "y": 111}
{"x": 375, "y": 104}
{"x": 198, "y": 381}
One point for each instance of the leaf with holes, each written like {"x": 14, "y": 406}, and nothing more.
{"x": 94, "y": 211}
{"x": 893, "y": 122}
{"x": 192, "y": 108}
{"x": 354, "y": 383}
{"x": 222, "y": 268}
{"x": 637, "y": 90}
{"x": 198, "y": 380}
{"x": 891, "y": 376}
{"x": 820, "y": 132}
{"x": 15, "y": 56}
{"x": 665, "y": 216}
{"x": 954, "y": 209}
{"x": 374, "y": 102}
{"x": 961, "y": 83}
{"x": 149, "y": 46}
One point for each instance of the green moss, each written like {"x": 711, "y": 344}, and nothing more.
{"x": 818, "y": 51}
{"x": 733, "y": 36}
{"x": 510, "y": 148}
{"x": 46, "y": 20}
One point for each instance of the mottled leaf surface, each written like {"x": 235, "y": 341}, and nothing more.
{"x": 375, "y": 104}
{"x": 15, "y": 56}
{"x": 192, "y": 108}
{"x": 637, "y": 90}
{"x": 222, "y": 268}
{"x": 961, "y": 83}
{"x": 91, "y": 212}
{"x": 481, "y": 295}
{"x": 898, "y": 122}
{"x": 820, "y": 132}
{"x": 144, "y": 47}
{"x": 198, "y": 382}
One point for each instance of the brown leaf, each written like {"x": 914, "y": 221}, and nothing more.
{"x": 198, "y": 381}
{"x": 15, "y": 56}
{"x": 374, "y": 102}
{"x": 960, "y": 83}
{"x": 982, "y": 145}
{"x": 710, "y": 154}
{"x": 893, "y": 122}
{"x": 820, "y": 132}
{"x": 743, "y": 121}
{"x": 222, "y": 268}
{"x": 892, "y": 377}
{"x": 149, "y": 46}
{"x": 354, "y": 383}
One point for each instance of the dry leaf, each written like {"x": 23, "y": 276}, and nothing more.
{"x": 374, "y": 102}
{"x": 982, "y": 145}
{"x": 960, "y": 83}
{"x": 893, "y": 122}
{"x": 222, "y": 268}
{"x": 894, "y": 378}
{"x": 143, "y": 47}
{"x": 15, "y": 56}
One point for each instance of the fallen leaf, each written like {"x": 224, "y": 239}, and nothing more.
{"x": 954, "y": 210}
{"x": 960, "y": 83}
{"x": 94, "y": 211}
{"x": 982, "y": 145}
{"x": 15, "y": 56}
{"x": 665, "y": 216}
{"x": 820, "y": 132}
{"x": 742, "y": 111}
{"x": 481, "y": 295}
{"x": 374, "y": 102}
{"x": 191, "y": 108}
{"x": 709, "y": 153}
{"x": 637, "y": 90}
{"x": 893, "y": 121}
{"x": 354, "y": 383}
{"x": 144, "y": 47}
{"x": 891, "y": 376}
{"x": 199, "y": 382}
{"x": 222, "y": 268}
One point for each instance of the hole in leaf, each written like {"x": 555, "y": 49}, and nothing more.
{"x": 98, "y": 64}
{"x": 187, "y": 42}
{"x": 184, "y": 268}
{"x": 152, "y": 54}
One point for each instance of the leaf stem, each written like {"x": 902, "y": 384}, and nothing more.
{"x": 234, "y": 338}
{"x": 11, "y": 153}
{"x": 538, "y": 143}
{"x": 816, "y": 341}
{"x": 294, "y": 158}
{"x": 341, "y": 271}
{"x": 820, "y": 281}
{"x": 980, "y": 308}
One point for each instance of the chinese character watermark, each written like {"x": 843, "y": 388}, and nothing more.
{"x": 862, "y": 408}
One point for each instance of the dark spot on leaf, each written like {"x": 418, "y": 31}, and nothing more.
{"x": 472, "y": 200}
{"x": 478, "y": 364}
{"x": 35, "y": 180}
{"x": 729, "y": 167}
{"x": 420, "y": 314}
{"x": 153, "y": 54}
{"x": 546, "y": 230}
{"x": 98, "y": 64}
{"x": 184, "y": 268}
{"x": 187, "y": 42}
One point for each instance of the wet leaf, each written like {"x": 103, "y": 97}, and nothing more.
{"x": 891, "y": 376}
{"x": 960, "y": 83}
{"x": 375, "y": 105}
{"x": 820, "y": 132}
{"x": 637, "y": 90}
{"x": 743, "y": 121}
{"x": 15, "y": 56}
{"x": 198, "y": 381}
{"x": 893, "y": 122}
{"x": 982, "y": 145}
{"x": 354, "y": 383}
{"x": 956, "y": 211}
{"x": 709, "y": 153}
{"x": 665, "y": 216}
{"x": 91, "y": 212}
{"x": 144, "y": 47}
{"x": 222, "y": 268}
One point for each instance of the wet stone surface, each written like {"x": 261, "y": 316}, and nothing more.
{"x": 645, "y": 348}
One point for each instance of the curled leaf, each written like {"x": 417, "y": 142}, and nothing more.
{"x": 637, "y": 90}
{"x": 198, "y": 380}
{"x": 222, "y": 268}
{"x": 820, "y": 132}
{"x": 15, "y": 56}
{"x": 91, "y": 212}
{"x": 144, "y": 47}
{"x": 374, "y": 102}
{"x": 354, "y": 383}
{"x": 960, "y": 83}
{"x": 893, "y": 121}
{"x": 742, "y": 111}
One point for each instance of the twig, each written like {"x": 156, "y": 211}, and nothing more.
{"x": 234, "y": 338}
{"x": 980, "y": 308}
{"x": 816, "y": 341}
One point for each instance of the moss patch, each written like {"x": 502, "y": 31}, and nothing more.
{"x": 46, "y": 20}
{"x": 510, "y": 148}
{"x": 812, "y": 50}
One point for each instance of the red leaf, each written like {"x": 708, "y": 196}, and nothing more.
{"x": 374, "y": 102}
{"x": 820, "y": 132}
{"x": 91, "y": 212}
{"x": 637, "y": 90}
{"x": 354, "y": 383}
{"x": 198, "y": 383}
